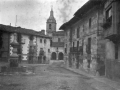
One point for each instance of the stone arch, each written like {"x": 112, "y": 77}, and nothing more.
{"x": 53, "y": 56}
{"x": 60, "y": 56}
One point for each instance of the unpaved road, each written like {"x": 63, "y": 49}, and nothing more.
{"x": 45, "y": 77}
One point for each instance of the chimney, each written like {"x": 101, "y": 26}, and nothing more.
{"x": 43, "y": 32}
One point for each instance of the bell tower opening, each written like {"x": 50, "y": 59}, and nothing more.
{"x": 49, "y": 26}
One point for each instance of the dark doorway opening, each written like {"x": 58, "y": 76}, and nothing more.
{"x": 60, "y": 56}
{"x": 53, "y": 56}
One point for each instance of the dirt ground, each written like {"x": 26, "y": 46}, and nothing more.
{"x": 44, "y": 77}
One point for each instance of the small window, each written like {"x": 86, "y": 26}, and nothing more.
{"x": 48, "y": 50}
{"x": 78, "y": 29}
{"x": 45, "y": 41}
{"x": 31, "y": 37}
{"x": 65, "y": 50}
{"x": 90, "y": 22}
{"x": 83, "y": 28}
{"x": 41, "y": 48}
{"x": 73, "y": 44}
{"x": 50, "y": 42}
{"x": 40, "y": 40}
{"x": 77, "y": 44}
{"x": 59, "y": 40}
{"x": 109, "y": 15}
{"x": 49, "y": 26}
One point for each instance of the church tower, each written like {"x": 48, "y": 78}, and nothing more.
{"x": 51, "y": 24}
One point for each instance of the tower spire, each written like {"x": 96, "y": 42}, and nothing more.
{"x": 51, "y": 12}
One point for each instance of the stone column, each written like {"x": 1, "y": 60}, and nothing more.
{"x": 14, "y": 57}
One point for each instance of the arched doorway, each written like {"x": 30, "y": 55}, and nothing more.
{"x": 60, "y": 56}
{"x": 53, "y": 56}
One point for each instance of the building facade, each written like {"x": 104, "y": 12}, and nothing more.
{"x": 84, "y": 44}
{"x": 30, "y": 44}
{"x": 57, "y": 41}
{"x": 92, "y": 38}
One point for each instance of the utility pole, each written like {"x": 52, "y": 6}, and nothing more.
{"x": 16, "y": 21}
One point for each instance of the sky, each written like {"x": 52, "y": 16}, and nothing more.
{"x": 33, "y": 14}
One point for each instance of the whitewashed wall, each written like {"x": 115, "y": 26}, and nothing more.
{"x": 44, "y": 46}
{"x": 11, "y": 40}
{"x": 25, "y": 47}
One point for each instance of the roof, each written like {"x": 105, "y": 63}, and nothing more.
{"x": 87, "y": 6}
{"x": 57, "y": 44}
{"x": 21, "y": 30}
{"x": 69, "y": 23}
{"x": 80, "y": 12}
{"x": 58, "y": 33}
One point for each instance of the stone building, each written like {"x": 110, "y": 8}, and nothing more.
{"x": 30, "y": 44}
{"x": 111, "y": 26}
{"x": 57, "y": 42}
{"x": 84, "y": 41}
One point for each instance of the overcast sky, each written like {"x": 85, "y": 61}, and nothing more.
{"x": 32, "y": 14}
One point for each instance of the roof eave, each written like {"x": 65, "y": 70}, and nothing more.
{"x": 87, "y": 6}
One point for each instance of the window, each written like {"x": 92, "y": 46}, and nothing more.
{"x": 77, "y": 44}
{"x": 89, "y": 45}
{"x": 49, "y": 26}
{"x": 78, "y": 32}
{"x": 59, "y": 40}
{"x": 50, "y": 42}
{"x": 48, "y": 50}
{"x": 109, "y": 15}
{"x": 44, "y": 41}
{"x": 83, "y": 28}
{"x": 65, "y": 50}
{"x": 73, "y": 44}
{"x": 116, "y": 51}
{"x": 18, "y": 37}
{"x": 90, "y": 23}
{"x": 40, "y": 40}
{"x": 31, "y": 37}
{"x": 41, "y": 48}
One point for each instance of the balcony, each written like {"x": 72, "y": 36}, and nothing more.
{"x": 76, "y": 49}
{"x": 111, "y": 30}
{"x": 107, "y": 24}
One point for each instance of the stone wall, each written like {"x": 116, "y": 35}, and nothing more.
{"x": 5, "y": 47}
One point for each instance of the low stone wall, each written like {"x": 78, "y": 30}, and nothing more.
{"x": 112, "y": 69}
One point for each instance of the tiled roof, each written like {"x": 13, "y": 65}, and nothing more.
{"x": 57, "y": 44}
{"x": 21, "y": 30}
